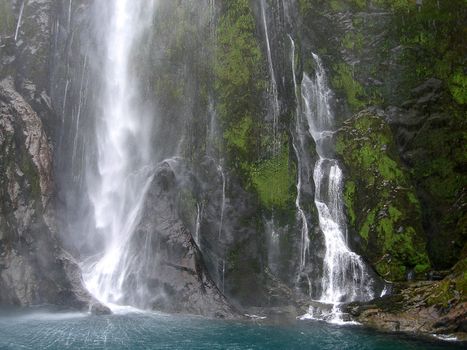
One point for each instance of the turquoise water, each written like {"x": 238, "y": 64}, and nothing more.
{"x": 40, "y": 330}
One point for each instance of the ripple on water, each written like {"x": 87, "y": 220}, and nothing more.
{"x": 42, "y": 330}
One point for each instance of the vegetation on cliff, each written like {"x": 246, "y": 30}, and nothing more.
{"x": 241, "y": 86}
{"x": 381, "y": 203}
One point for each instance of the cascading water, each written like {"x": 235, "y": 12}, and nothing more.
{"x": 345, "y": 276}
{"x": 123, "y": 150}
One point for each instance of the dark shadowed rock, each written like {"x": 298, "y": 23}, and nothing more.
{"x": 33, "y": 268}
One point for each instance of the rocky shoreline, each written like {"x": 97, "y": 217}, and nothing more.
{"x": 437, "y": 308}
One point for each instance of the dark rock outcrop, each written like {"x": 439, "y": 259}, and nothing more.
{"x": 33, "y": 268}
{"x": 169, "y": 271}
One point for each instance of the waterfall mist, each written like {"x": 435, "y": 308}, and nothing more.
{"x": 117, "y": 183}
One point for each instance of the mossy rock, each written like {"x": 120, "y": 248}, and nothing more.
{"x": 381, "y": 203}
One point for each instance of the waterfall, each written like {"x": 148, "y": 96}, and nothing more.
{"x": 123, "y": 149}
{"x": 18, "y": 24}
{"x": 345, "y": 276}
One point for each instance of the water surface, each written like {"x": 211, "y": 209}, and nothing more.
{"x": 42, "y": 330}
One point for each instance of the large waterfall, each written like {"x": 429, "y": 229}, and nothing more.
{"x": 345, "y": 275}
{"x": 129, "y": 254}
{"x": 123, "y": 149}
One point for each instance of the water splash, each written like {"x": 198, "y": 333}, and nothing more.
{"x": 123, "y": 151}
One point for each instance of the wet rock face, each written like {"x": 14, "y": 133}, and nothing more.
{"x": 168, "y": 268}
{"x": 33, "y": 268}
{"x": 382, "y": 206}
{"x": 28, "y": 43}
{"x": 429, "y": 131}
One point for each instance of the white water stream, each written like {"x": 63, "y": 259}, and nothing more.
{"x": 20, "y": 17}
{"x": 123, "y": 150}
{"x": 345, "y": 276}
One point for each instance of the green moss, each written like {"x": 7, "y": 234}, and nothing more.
{"x": 386, "y": 212}
{"x": 239, "y": 85}
{"x": 336, "y": 5}
{"x": 458, "y": 87}
{"x": 353, "y": 41}
{"x": 239, "y": 60}
{"x": 394, "y": 213}
{"x": 237, "y": 135}
{"x": 413, "y": 198}
{"x": 274, "y": 180}
{"x": 343, "y": 80}
{"x": 421, "y": 268}
{"x": 349, "y": 197}
{"x": 390, "y": 270}
{"x": 369, "y": 221}
{"x": 304, "y": 6}
{"x": 441, "y": 294}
